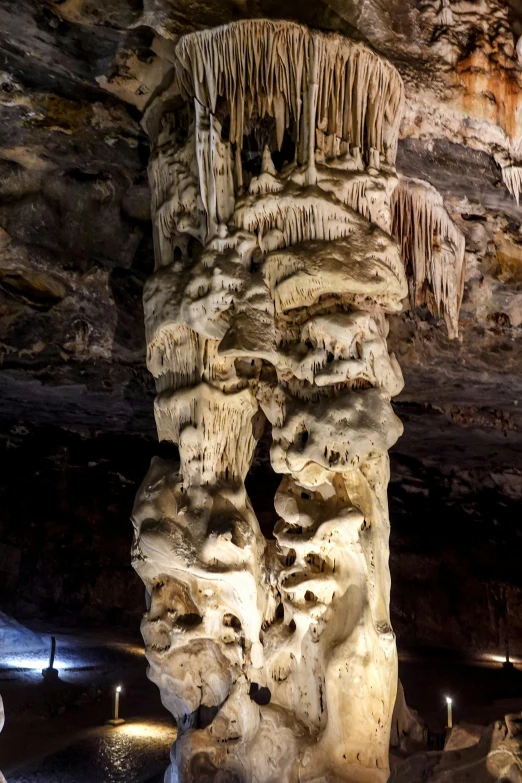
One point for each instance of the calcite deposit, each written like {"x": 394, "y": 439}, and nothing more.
{"x": 496, "y": 755}
{"x": 277, "y": 210}
{"x": 76, "y": 399}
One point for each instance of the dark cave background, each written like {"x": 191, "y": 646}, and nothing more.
{"x": 65, "y": 536}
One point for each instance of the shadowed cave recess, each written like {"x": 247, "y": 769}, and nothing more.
{"x": 143, "y": 179}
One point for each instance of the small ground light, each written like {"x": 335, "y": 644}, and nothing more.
{"x": 116, "y": 720}
{"x": 50, "y": 673}
{"x": 449, "y": 702}
{"x": 507, "y": 662}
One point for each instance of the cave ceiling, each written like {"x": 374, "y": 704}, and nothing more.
{"x": 75, "y": 230}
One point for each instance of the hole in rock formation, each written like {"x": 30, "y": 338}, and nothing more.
{"x": 231, "y": 621}
{"x": 205, "y": 716}
{"x": 190, "y": 620}
{"x": 287, "y": 558}
{"x": 203, "y": 770}
{"x": 165, "y": 449}
{"x": 263, "y": 135}
{"x": 316, "y": 563}
{"x": 260, "y": 694}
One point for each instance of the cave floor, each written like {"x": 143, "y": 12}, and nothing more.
{"x": 123, "y": 754}
{"x": 481, "y": 689}
{"x": 56, "y": 731}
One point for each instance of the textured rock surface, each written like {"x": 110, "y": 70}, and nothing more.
{"x": 14, "y": 638}
{"x": 272, "y": 167}
{"x": 74, "y": 204}
{"x": 496, "y": 756}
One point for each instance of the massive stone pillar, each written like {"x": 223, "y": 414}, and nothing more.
{"x": 272, "y": 172}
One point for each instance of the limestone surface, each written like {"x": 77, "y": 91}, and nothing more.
{"x": 496, "y": 756}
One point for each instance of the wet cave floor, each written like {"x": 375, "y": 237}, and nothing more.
{"x": 56, "y": 732}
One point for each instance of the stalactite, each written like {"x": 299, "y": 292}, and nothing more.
{"x": 349, "y": 90}
{"x": 174, "y": 350}
{"x": 211, "y": 428}
{"x": 432, "y": 249}
{"x": 512, "y": 176}
{"x": 296, "y": 218}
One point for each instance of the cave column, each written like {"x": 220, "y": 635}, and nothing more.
{"x": 272, "y": 177}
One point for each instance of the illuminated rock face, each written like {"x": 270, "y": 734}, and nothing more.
{"x": 273, "y": 173}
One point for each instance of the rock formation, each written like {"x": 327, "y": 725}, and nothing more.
{"x": 409, "y": 733}
{"x": 495, "y": 756}
{"x": 16, "y": 640}
{"x": 75, "y": 249}
{"x": 273, "y": 181}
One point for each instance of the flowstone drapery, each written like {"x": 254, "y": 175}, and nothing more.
{"x": 272, "y": 172}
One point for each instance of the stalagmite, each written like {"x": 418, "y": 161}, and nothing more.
{"x": 272, "y": 172}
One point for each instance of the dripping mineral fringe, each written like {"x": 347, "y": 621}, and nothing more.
{"x": 432, "y": 249}
{"x": 512, "y": 176}
{"x": 350, "y": 92}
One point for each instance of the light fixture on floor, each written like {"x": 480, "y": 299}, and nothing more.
{"x": 50, "y": 673}
{"x": 116, "y": 720}
{"x": 449, "y": 702}
{"x": 507, "y": 664}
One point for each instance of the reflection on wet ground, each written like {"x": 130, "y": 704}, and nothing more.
{"x": 55, "y": 730}
{"x": 130, "y": 753}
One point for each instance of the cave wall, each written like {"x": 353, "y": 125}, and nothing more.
{"x": 65, "y": 536}
{"x": 455, "y": 557}
{"x": 65, "y": 533}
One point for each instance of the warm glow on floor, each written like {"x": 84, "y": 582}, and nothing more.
{"x": 145, "y": 730}
{"x": 500, "y": 658}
